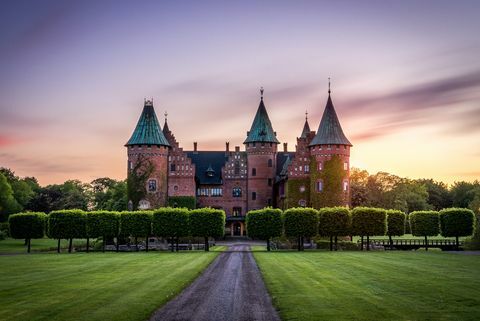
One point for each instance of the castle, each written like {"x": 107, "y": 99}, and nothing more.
{"x": 316, "y": 174}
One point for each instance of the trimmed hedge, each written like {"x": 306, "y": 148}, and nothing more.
{"x": 368, "y": 221}
{"x": 67, "y": 224}
{"x": 396, "y": 223}
{"x": 102, "y": 224}
{"x": 265, "y": 224}
{"x": 207, "y": 222}
{"x": 456, "y": 222}
{"x": 334, "y": 222}
{"x": 171, "y": 223}
{"x": 27, "y": 226}
{"x": 136, "y": 224}
{"x": 182, "y": 202}
{"x": 424, "y": 223}
{"x": 300, "y": 222}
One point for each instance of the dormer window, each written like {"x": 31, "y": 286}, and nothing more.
{"x": 210, "y": 172}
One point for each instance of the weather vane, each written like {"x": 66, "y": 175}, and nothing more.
{"x": 165, "y": 114}
{"x": 261, "y": 92}
{"x": 329, "y": 91}
{"x": 306, "y": 114}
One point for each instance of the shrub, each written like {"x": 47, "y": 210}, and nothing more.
{"x": 334, "y": 222}
{"x": 171, "y": 223}
{"x": 264, "y": 224}
{"x": 207, "y": 222}
{"x": 424, "y": 223}
{"x": 368, "y": 221}
{"x": 457, "y": 222}
{"x": 102, "y": 224}
{"x": 300, "y": 222}
{"x": 27, "y": 226}
{"x": 136, "y": 224}
{"x": 4, "y": 228}
{"x": 188, "y": 202}
{"x": 395, "y": 223}
{"x": 67, "y": 224}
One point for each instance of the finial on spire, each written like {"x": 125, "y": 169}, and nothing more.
{"x": 261, "y": 93}
{"x": 166, "y": 115}
{"x": 329, "y": 91}
{"x": 306, "y": 115}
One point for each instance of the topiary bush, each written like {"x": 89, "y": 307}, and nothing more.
{"x": 188, "y": 202}
{"x": 424, "y": 223}
{"x": 395, "y": 224}
{"x": 368, "y": 221}
{"x": 300, "y": 222}
{"x": 171, "y": 223}
{"x": 27, "y": 226}
{"x": 456, "y": 222}
{"x": 136, "y": 224}
{"x": 67, "y": 224}
{"x": 264, "y": 224}
{"x": 207, "y": 222}
{"x": 102, "y": 224}
{"x": 334, "y": 222}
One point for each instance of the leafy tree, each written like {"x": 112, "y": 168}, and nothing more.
{"x": 136, "y": 224}
{"x": 463, "y": 193}
{"x": 395, "y": 224}
{"x": 439, "y": 196}
{"x": 265, "y": 224}
{"x": 171, "y": 223}
{"x": 27, "y": 226}
{"x": 408, "y": 196}
{"x": 207, "y": 222}
{"x": 109, "y": 194}
{"x": 457, "y": 222}
{"x": 358, "y": 187}
{"x": 67, "y": 224}
{"x": 300, "y": 222}
{"x": 72, "y": 194}
{"x": 424, "y": 223}
{"x": 8, "y": 204}
{"x": 368, "y": 221}
{"x": 334, "y": 222}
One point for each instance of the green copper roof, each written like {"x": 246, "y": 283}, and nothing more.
{"x": 148, "y": 131}
{"x": 261, "y": 130}
{"x": 330, "y": 131}
{"x": 306, "y": 129}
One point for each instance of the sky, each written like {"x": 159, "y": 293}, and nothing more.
{"x": 405, "y": 80}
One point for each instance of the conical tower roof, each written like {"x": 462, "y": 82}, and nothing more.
{"x": 148, "y": 130}
{"x": 330, "y": 131}
{"x": 261, "y": 130}
{"x": 306, "y": 129}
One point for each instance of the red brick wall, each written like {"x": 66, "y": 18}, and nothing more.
{"x": 257, "y": 157}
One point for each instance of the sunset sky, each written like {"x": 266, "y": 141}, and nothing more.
{"x": 74, "y": 75}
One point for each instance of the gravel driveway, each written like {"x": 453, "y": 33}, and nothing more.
{"x": 231, "y": 288}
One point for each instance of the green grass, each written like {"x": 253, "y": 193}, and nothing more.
{"x": 373, "y": 286}
{"x": 37, "y": 245}
{"x": 81, "y": 286}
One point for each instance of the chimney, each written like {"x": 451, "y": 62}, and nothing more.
{"x": 237, "y": 149}
{"x": 227, "y": 147}
{"x": 195, "y": 147}
{"x": 285, "y": 147}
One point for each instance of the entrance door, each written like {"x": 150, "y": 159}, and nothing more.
{"x": 236, "y": 229}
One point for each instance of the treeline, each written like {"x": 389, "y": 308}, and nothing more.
{"x": 169, "y": 223}
{"x": 335, "y": 222}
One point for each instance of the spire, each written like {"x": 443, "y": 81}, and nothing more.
{"x": 165, "y": 125}
{"x": 330, "y": 131}
{"x": 148, "y": 130}
{"x": 306, "y": 127}
{"x": 261, "y": 130}
{"x": 329, "y": 91}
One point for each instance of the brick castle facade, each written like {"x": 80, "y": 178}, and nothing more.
{"x": 241, "y": 180}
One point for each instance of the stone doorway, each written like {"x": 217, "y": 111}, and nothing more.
{"x": 237, "y": 229}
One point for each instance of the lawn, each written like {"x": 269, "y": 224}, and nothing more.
{"x": 17, "y": 246}
{"x": 81, "y": 286}
{"x": 373, "y": 286}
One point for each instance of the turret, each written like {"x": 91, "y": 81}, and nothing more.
{"x": 261, "y": 146}
{"x": 147, "y": 151}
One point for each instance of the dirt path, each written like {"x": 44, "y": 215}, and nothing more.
{"x": 230, "y": 289}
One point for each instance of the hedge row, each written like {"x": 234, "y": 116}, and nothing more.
{"x": 167, "y": 222}
{"x": 361, "y": 221}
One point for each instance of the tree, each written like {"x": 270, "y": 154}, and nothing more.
{"x": 207, "y": 222}
{"x": 457, "y": 222}
{"x": 424, "y": 223}
{"x": 67, "y": 224}
{"x": 265, "y": 224}
{"x": 395, "y": 224}
{"x": 8, "y": 204}
{"x": 136, "y": 224}
{"x": 102, "y": 224}
{"x": 463, "y": 193}
{"x": 439, "y": 196}
{"x": 109, "y": 194}
{"x": 408, "y": 196}
{"x": 27, "y": 226}
{"x": 171, "y": 223}
{"x": 334, "y": 222}
{"x": 72, "y": 194}
{"x": 300, "y": 222}
{"x": 368, "y": 221}
{"x": 358, "y": 187}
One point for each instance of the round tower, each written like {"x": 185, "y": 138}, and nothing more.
{"x": 330, "y": 161}
{"x": 261, "y": 147}
{"x": 147, "y": 170}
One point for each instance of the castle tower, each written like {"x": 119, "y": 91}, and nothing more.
{"x": 330, "y": 161}
{"x": 147, "y": 151}
{"x": 261, "y": 146}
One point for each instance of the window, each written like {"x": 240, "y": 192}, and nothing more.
{"x": 130, "y": 165}
{"x": 237, "y": 192}
{"x": 302, "y": 189}
{"x": 269, "y": 182}
{"x": 338, "y": 146}
{"x": 172, "y": 167}
{"x": 307, "y": 168}
{"x": 345, "y": 185}
{"x": 237, "y": 168}
{"x": 254, "y": 196}
{"x": 302, "y": 203}
{"x": 345, "y": 166}
{"x": 152, "y": 185}
{"x": 270, "y": 163}
{"x": 237, "y": 211}
{"x": 175, "y": 188}
{"x": 254, "y": 172}
{"x": 216, "y": 192}
{"x": 202, "y": 191}
{"x": 329, "y": 147}
{"x": 319, "y": 186}
{"x": 320, "y": 166}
